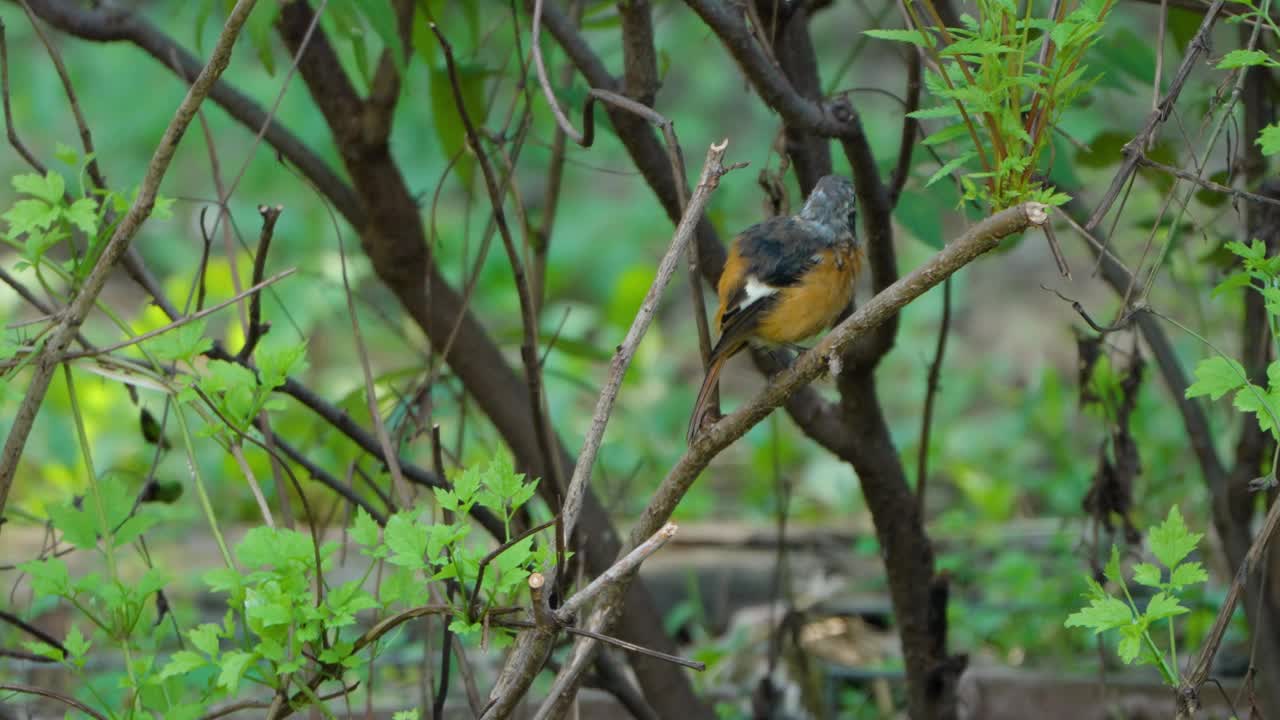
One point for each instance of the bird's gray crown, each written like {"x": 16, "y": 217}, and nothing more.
{"x": 833, "y": 207}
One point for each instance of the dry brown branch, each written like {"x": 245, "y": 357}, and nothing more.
{"x": 713, "y": 169}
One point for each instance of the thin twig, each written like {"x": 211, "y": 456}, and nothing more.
{"x": 9, "y": 128}
{"x": 529, "y": 348}
{"x": 64, "y": 699}
{"x": 713, "y": 169}
{"x": 624, "y": 567}
{"x": 474, "y": 603}
{"x": 930, "y": 395}
{"x": 256, "y": 328}
{"x": 180, "y": 321}
{"x": 1198, "y": 45}
{"x": 82, "y": 125}
{"x": 541, "y": 67}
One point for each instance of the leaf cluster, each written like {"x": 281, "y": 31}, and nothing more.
{"x": 1170, "y": 542}
{"x": 1001, "y": 102}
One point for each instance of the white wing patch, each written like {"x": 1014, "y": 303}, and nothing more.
{"x": 754, "y": 290}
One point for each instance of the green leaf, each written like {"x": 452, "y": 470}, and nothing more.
{"x": 1112, "y": 569}
{"x": 48, "y": 577}
{"x": 364, "y": 531}
{"x": 1269, "y": 139}
{"x": 234, "y": 665}
{"x": 1101, "y": 614}
{"x": 78, "y": 527}
{"x": 181, "y": 343}
{"x": 907, "y": 36}
{"x": 277, "y": 362}
{"x": 1234, "y": 281}
{"x": 183, "y": 662}
{"x": 405, "y": 715}
{"x": 143, "y": 520}
{"x": 1244, "y": 58}
{"x": 1171, "y": 541}
{"x": 1253, "y": 399}
{"x": 951, "y": 165}
{"x": 1185, "y": 574}
{"x": 381, "y": 15}
{"x": 1163, "y": 605}
{"x": 83, "y": 213}
{"x": 75, "y": 643}
{"x": 1147, "y": 574}
{"x": 28, "y": 215}
{"x": 66, "y": 153}
{"x": 48, "y": 188}
{"x": 205, "y": 638}
{"x": 223, "y": 579}
{"x": 934, "y": 113}
{"x": 450, "y": 130}
{"x": 1130, "y": 644}
{"x": 407, "y": 540}
{"x": 1217, "y": 376}
{"x": 43, "y": 649}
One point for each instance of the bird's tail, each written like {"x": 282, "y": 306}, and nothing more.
{"x": 700, "y": 408}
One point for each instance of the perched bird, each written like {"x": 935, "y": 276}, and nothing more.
{"x": 786, "y": 279}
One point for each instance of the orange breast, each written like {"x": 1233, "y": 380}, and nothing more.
{"x": 808, "y": 308}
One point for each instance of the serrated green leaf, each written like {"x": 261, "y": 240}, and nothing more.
{"x": 407, "y": 540}
{"x": 77, "y": 526}
{"x": 28, "y": 215}
{"x": 951, "y": 165}
{"x": 43, "y": 649}
{"x": 83, "y": 213}
{"x": 1146, "y": 574}
{"x": 48, "y": 577}
{"x": 1112, "y": 568}
{"x": 1269, "y": 139}
{"x": 1163, "y": 605}
{"x": 1189, "y": 573}
{"x": 364, "y": 530}
{"x": 1243, "y": 58}
{"x": 48, "y": 187}
{"x": 1253, "y": 399}
{"x": 1234, "y": 281}
{"x": 205, "y": 638}
{"x": 1171, "y": 541}
{"x": 181, "y": 343}
{"x": 233, "y": 665}
{"x": 1130, "y": 644}
{"x": 893, "y": 35}
{"x": 1101, "y": 614}
{"x": 143, "y": 520}
{"x": 1217, "y": 376}
{"x": 276, "y": 362}
{"x": 76, "y": 643}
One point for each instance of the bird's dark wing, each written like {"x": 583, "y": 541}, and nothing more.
{"x": 781, "y": 250}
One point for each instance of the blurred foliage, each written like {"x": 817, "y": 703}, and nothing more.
{"x": 1013, "y": 451}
